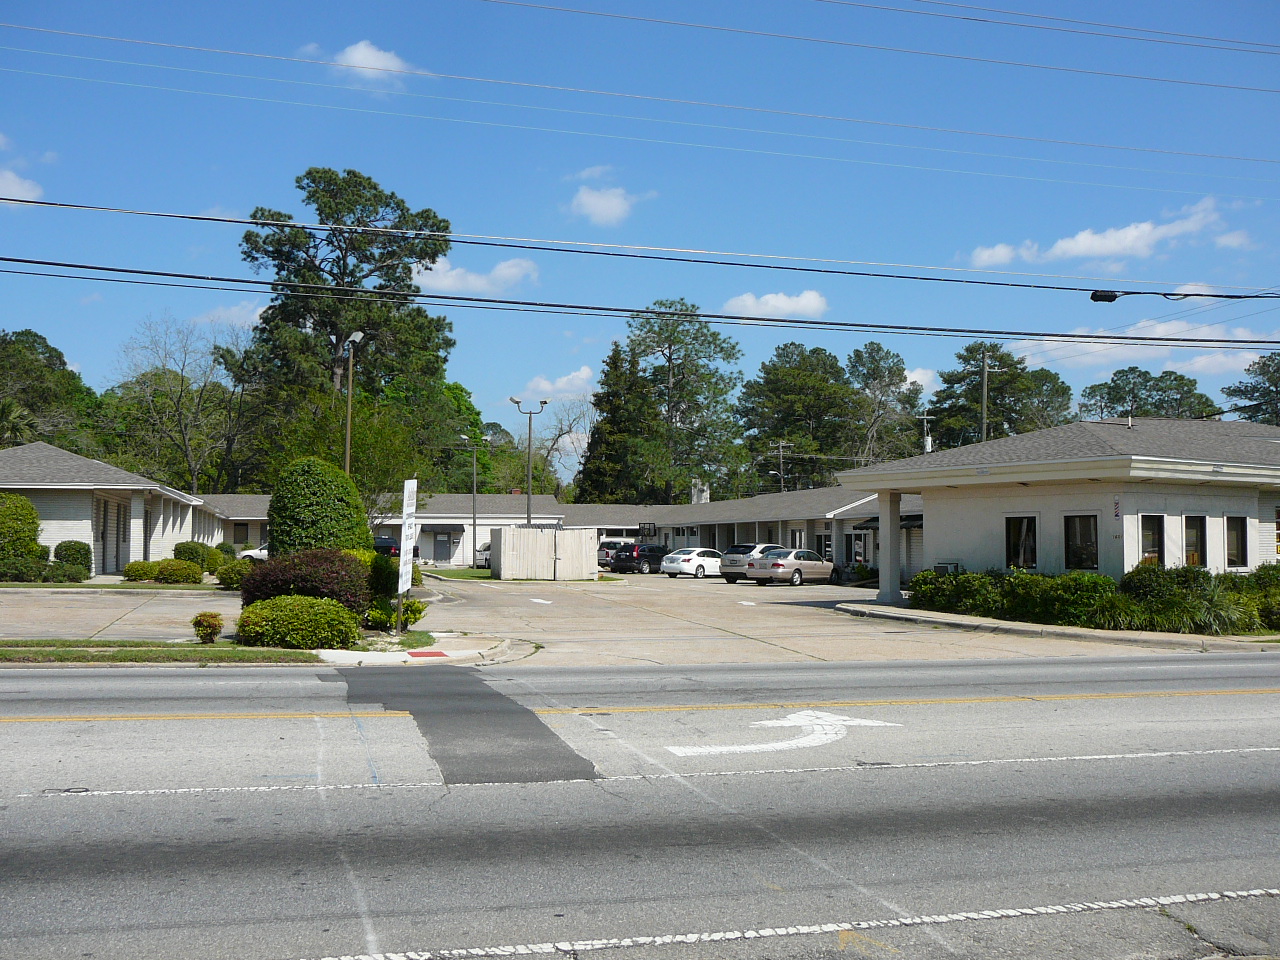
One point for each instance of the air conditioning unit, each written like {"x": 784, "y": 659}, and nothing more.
{"x": 946, "y": 568}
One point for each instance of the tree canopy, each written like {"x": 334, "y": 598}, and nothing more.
{"x": 1133, "y": 392}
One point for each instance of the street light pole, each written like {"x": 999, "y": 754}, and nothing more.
{"x": 351, "y": 364}
{"x": 528, "y": 486}
{"x": 473, "y": 493}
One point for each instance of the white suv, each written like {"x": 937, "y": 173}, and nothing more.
{"x": 733, "y": 563}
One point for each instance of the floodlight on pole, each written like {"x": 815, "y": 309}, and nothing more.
{"x": 350, "y": 344}
{"x": 528, "y": 491}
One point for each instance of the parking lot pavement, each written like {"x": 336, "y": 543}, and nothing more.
{"x": 80, "y": 614}
{"x": 653, "y": 619}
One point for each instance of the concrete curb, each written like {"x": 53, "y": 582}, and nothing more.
{"x": 113, "y": 592}
{"x": 957, "y": 621}
{"x": 371, "y": 658}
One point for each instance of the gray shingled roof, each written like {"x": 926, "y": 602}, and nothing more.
{"x": 42, "y": 464}
{"x": 238, "y": 506}
{"x": 769, "y": 507}
{"x": 488, "y": 504}
{"x": 1200, "y": 441}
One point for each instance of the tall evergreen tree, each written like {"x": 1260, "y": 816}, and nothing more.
{"x": 1259, "y": 394}
{"x": 618, "y": 464}
{"x": 1133, "y": 392}
{"x": 888, "y": 428}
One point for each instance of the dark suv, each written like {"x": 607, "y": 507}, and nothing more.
{"x": 637, "y": 557}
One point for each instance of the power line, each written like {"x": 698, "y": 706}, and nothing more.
{"x": 662, "y": 254}
{"x": 680, "y": 101}
{"x": 828, "y": 41}
{"x": 282, "y": 287}
{"x": 751, "y": 151}
{"x": 470, "y": 101}
{"x": 1204, "y": 43}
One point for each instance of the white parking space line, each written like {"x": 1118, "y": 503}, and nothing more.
{"x": 574, "y": 947}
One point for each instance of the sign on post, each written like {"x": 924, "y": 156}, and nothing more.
{"x": 408, "y": 534}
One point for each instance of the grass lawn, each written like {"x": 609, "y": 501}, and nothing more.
{"x": 143, "y": 651}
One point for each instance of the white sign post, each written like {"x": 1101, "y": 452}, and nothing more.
{"x": 408, "y": 537}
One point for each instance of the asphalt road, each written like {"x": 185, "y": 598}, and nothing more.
{"x": 774, "y": 810}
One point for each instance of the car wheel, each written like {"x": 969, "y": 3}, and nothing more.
{"x": 672, "y": 575}
{"x": 644, "y": 566}
{"x": 763, "y": 583}
{"x": 699, "y": 573}
{"x": 796, "y": 578}
{"x": 730, "y": 578}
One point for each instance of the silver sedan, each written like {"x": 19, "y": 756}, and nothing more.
{"x": 789, "y": 566}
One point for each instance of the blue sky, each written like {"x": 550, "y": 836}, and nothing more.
{"x": 867, "y": 174}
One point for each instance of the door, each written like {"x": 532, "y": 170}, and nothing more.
{"x": 440, "y": 552}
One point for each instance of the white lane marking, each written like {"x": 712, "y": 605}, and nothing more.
{"x": 573, "y": 947}
{"x": 774, "y": 771}
{"x": 746, "y": 603}
{"x": 536, "y": 600}
{"x": 819, "y": 728}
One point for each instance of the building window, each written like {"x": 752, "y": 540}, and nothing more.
{"x": 797, "y": 539}
{"x": 1153, "y": 540}
{"x": 1081, "y": 539}
{"x": 1237, "y": 541}
{"x": 1020, "y": 542}
{"x": 239, "y": 533}
{"x": 822, "y": 545}
{"x": 1193, "y": 534}
{"x": 1278, "y": 531}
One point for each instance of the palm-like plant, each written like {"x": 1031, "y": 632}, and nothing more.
{"x": 17, "y": 425}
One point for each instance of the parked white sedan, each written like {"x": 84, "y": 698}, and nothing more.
{"x": 694, "y": 561}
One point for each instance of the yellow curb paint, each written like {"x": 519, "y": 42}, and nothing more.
{"x": 909, "y": 703}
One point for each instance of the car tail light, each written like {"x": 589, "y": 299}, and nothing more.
{"x": 778, "y": 565}
{"x": 685, "y": 560}
{"x": 751, "y": 563}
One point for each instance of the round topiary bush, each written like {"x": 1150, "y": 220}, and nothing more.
{"x": 75, "y": 552}
{"x": 327, "y": 574}
{"x": 139, "y": 570}
{"x": 231, "y": 574}
{"x": 300, "y": 623}
{"x": 315, "y": 505}
{"x": 178, "y": 571}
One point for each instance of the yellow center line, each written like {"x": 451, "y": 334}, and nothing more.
{"x": 915, "y": 702}
{"x": 203, "y": 716}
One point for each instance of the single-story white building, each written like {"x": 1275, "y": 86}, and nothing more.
{"x": 121, "y": 515}
{"x": 1095, "y": 495}
{"x": 244, "y": 517}
{"x": 445, "y": 527}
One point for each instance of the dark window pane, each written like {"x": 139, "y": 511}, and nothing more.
{"x": 1020, "y": 542}
{"x": 1193, "y": 541}
{"x": 1153, "y": 539}
{"x": 1237, "y": 547}
{"x": 1081, "y": 537}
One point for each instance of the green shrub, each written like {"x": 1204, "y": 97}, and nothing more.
{"x": 1178, "y": 613}
{"x": 384, "y": 576}
{"x": 1026, "y": 596}
{"x": 1119, "y": 611}
{"x": 315, "y": 505}
{"x": 228, "y": 550}
{"x": 415, "y": 577}
{"x": 1266, "y": 577}
{"x": 364, "y": 556}
{"x": 19, "y": 521}
{"x": 381, "y": 614}
{"x": 1073, "y": 598}
{"x": 193, "y": 551}
{"x": 178, "y": 571}
{"x": 1148, "y": 581}
{"x": 139, "y": 570}
{"x": 1192, "y": 580}
{"x": 20, "y": 567}
{"x": 1224, "y": 611}
{"x": 1269, "y": 608}
{"x": 213, "y": 559}
{"x": 231, "y": 573}
{"x": 302, "y": 623}
{"x": 207, "y": 625}
{"x": 928, "y": 590}
{"x": 976, "y": 594}
{"x": 327, "y": 574}
{"x": 60, "y": 572}
{"x": 75, "y": 552}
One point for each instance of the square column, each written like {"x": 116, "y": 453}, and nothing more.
{"x": 890, "y": 553}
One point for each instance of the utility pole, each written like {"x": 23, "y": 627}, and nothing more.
{"x": 782, "y": 475}
{"x": 928, "y": 440}
{"x": 986, "y": 368}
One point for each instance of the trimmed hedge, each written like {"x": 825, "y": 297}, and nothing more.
{"x": 326, "y": 574}
{"x": 178, "y": 571}
{"x": 382, "y": 613}
{"x": 60, "y": 572}
{"x": 192, "y": 551}
{"x": 315, "y": 506}
{"x": 231, "y": 574}
{"x": 1170, "y": 600}
{"x": 139, "y": 570}
{"x": 75, "y": 552}
{"x": 228, "y": 550}
{"x": 21, "y": 568}
{"x": 300, "y": 623}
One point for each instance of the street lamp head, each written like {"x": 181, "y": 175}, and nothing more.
{"x": 543, "y": 403}
{"x": 514, "y": 400}
{"x": 356, "y": 337}
{"x": 464, "y": 436}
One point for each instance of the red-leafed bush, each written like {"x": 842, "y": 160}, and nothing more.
{"x": 324, "y": 574}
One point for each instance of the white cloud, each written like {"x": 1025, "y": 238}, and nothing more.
{"x": 579, "y": 383}
{"x": 1140, "y": 240}
{"x": 927, "y": 378}
{"x": 810, "y": 304}
{"x": 18, "y": 188}
{"x": 1195, "y": 290}
{"x": 370, "y": 64}
{"x": 604, "y": 207}
{"x": 243, "y": 314}
{"x": 5, "y": 142}
{"x": 444, "y": 278}
{"x": 592, "y": 173}
{"x": 1212, "y": 364}
{"x": 1235, "y": 240}
{"x": 1113, "y": 356}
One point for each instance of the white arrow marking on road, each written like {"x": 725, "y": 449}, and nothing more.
{"x": 541, "y": 601}
{"x": 819, "y": 728}
{"x": 746, "y": 603}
